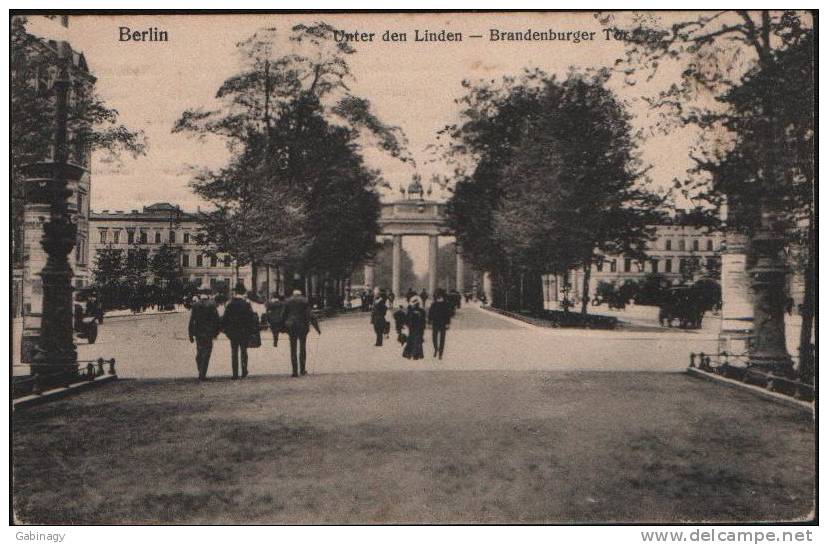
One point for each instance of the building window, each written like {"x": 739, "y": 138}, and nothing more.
{"x": 682, "y": 245}
{"x": 116, "y": 236}
{"x": 80, "y": 251}
{"x": 185, "y": 260}
{"x": 199, "y": 260}
{"x": 102, "y": 233}
{"x": 130, "y": 236}
{"x": 227, "y": 261}
{"x": 668, "y": 265}
{"x": 172, "y": 237}
{"x": 213, "y": 261}
{"x": 627, "y": 264}
{"x": 654, "y": 265}
{"x": 158, "y": 237}
{"x": 186, "y": 238}
{"x": 668, "y": 244}
{"x": 710, "y": 245}
{"x": 695, "y": 245}
{"x": 613, "y": 266}
{"x": 143, "y": 237}
{"x": 599, "y": 266}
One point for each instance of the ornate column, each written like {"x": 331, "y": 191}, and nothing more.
{"x": 432, "y": 264}
{"x": 47, "y": 182}
{"x": 737, "y": 298}
{"x": 369, "y": 274}
{"x": 460, "y": 271}
{"x": 768, "y": 351}
{"x": 396, "y": 265}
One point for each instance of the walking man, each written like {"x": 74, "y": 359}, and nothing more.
{"x": 204, "y": 327}
{"x": 439, "y": 315}
{"x": 297, "y": 317}
{"x": 274, "y": 316}
{"x": 378, "y": 318}
{"x": 239, "y": 323}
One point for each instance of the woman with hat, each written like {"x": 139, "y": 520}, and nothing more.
{"x": 416, "y": 321}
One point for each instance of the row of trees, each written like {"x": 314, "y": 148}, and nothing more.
{"x": 296, "y": 192}
{"x": 554, "y": 183}
{"x": 135, "y": 279}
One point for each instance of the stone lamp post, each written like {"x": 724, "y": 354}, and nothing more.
{"x": 47, "y": 183}
{"x": 768, "y": 352}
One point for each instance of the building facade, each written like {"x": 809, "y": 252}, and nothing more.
{"x": 165, "y": 224}
{"x": 681, "y": 253}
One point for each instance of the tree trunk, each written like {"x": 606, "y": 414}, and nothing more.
{"x": 533, "y": 290}
{"x": 585, "y": 290}
{"x": 254, "y": 277}
{"x": 806, "y": 352}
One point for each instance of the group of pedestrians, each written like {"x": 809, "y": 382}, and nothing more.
{"x": 412, "y": 316}
{"x": 241, "y": 325}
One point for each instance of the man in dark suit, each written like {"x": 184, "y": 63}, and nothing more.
{"x": 439, "y": 315}
{"x": 204, "y": 327}
{"x": 239, "y": 323}
{"x": 274, "y": 316}
{"x": 378, "y": 318}
{"x": 297, "y": 318}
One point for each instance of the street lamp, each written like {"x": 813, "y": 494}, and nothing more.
{"x": 47, "y": 183}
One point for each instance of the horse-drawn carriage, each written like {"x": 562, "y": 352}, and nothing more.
{"x": 686, "y": 305}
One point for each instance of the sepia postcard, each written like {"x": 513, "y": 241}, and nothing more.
{"x": 451, "y": 267}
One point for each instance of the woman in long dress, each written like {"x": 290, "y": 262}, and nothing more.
{"x": 416, "y": 321}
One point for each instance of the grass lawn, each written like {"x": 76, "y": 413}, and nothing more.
{"x": 431, "y": 446}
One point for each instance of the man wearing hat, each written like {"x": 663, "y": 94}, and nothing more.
{"x": 239, "y": 323}
{"x": 297, "y": 319}
{"x": 204, "y": 327}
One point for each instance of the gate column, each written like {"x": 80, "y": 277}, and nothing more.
{"x": 396, "y": 265}
{"x": 459, "y": 279}
{"x": 432, "y": 265}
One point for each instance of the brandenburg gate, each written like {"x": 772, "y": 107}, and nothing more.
{"x": 414, "y": 215}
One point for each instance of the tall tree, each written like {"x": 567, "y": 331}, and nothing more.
{"x": 108, "y": 274}
{"x": 296, "y": 190}
{"x": 559, "y": 189}
{"x": 759, "y": 68}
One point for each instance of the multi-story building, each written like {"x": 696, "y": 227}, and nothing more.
{"x": 680, "y": 253}
{"x": 165, "y": 224}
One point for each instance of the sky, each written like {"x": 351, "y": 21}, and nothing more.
{"x": 412, "y": 85}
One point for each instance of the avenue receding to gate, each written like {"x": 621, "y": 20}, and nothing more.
{"x": 391, "y": 268}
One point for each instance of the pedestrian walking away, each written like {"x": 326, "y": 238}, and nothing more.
{"x": 399, "y": 323}
{"x": 423, "y": 298}
{"x": 439, "y": 316}
{"x": 378, "y": 318}
{"x": 274, "y": 316}
{"x": 297, "y": 318}
{"x": 204, "y": 326}
{"x": 415, "y": 319}
{"x": 239, "y": 323}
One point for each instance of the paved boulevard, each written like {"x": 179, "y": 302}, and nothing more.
{"x": 157, "y": 346}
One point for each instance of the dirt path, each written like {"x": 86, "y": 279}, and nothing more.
{"x": 433, "y": 446}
